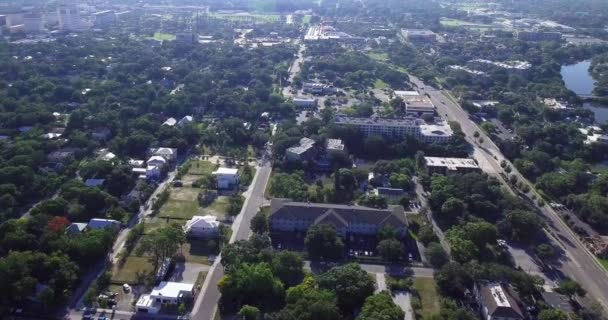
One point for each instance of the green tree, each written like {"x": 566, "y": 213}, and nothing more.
{"x": 545, "y": 252}
{"x": 453, "y": 209}
{"x": 351, "y": 284}
{"x": 521, "y": 225}
{"x": 259, "y": 223}
{"x": 571, "y": 289}
{"x": 248, "y": 312}
{"x": 380, "y": 306}
{"x": 250, "y": 284}
{"x": 322, "y": 242}
{"x": 162, "y": 243}
{"x": 289, "y": 267}
{"x": 426, "y": 235}
{"x": 391, "y": 249}
{"x": 453, "y": 279}
{"x": 552, "y": 314}
{"x": 436, "y": 255}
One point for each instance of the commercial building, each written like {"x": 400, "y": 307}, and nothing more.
{"x": 335, "y": 148}
{"x": 419, "y": 35}
{"x": 325, "y": 32}
{"x": 304, "y": 150}
{"x": 104, "y": 18}
{"x": 290, "y": 216}
{"x": 513, "y": 65}
{"x": 539, "y": 36}
{"x": 69, "y": 18}
{"x": 450, "y": 165}
{"x": 403, "y": 94}
{"x": 186, "y": 37}
{"x": 439, "y": 132}
{"x": 226, "y": 177}
{"x": 317, "y": 88}
{"x": 419, "y": 106}
{"x": 305, "y": 102}
{"x": 496, "y": 302}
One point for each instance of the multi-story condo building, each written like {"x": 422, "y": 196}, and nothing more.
{"x": 290, "y": 216}
{"x": 439, "y": 132}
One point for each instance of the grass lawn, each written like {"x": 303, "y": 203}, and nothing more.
{"x": 179, "y": 209}
{"x": 306, "y": 19}
{"x": 134, "y": 269}
{"x": 159, "y": 36}
{"x": 378, "y": 56}
{"x": 379, "y": 84}
{"x": 429, "y": 298}
{"x": 604, "y": 263}
{"x": 197, "y": 251}
{"x": 201, "y": 167}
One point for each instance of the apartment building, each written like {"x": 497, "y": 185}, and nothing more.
{"x": 439, "y": 132}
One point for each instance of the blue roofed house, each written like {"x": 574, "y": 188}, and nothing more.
{"x": 94, "y": 182}
{"x": 96, "y": 224}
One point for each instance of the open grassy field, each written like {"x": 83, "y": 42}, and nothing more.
{"x": 378, "y": 56}
{"x": 306, "y": 19}
{"x": 379, "y": 84}
{"x": 198, "y": 251}
{"x": 429, "y": 297}
{"x": 604, "y": 263}
{"x": 132, "y": 271}
{"x": 454, "y": 23}
{"x": 200, "y": 167}
{"x": 159, "y": 36}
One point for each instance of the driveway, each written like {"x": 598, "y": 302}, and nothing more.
{"x": 187, "y": 272}
{"x": 380, "y": 282}
{"x": 404, "y": 301}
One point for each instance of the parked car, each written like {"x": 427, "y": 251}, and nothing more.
{"x": 126, "y": 287}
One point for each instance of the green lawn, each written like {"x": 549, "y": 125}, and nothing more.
{"x": 454, "y": 23}
{"x": 159, "y": 36}
{"x": 178, "y": 209}
{"x": 201, "y": 167}
{"x": 197, "y": 251}
{"x": 306, "y": 19}
{"x": 604, "y": 263}
{"x": 378, "y": 56}
{"x": 379, "y": 84}
{"x": 132, "y": 271}
{"x": 429, "y": 297}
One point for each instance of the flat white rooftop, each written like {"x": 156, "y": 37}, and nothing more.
{"x": 226, "y": 171}
{"x": 451, "y": 163}
{"x": 171, "y": 289}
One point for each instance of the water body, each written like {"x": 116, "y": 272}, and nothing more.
{"x": 578, "y": 79}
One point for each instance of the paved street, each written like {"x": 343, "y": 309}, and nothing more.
{"x": 577, "y": 262}
{"x": 206, "y": 301}
{"x": 294, "y": 70}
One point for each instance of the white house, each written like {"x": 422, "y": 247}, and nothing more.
{"x": 165, "y": 292}
{"x": 226, "y": 177}
{"x": 76, "y": 228}
{"x": 170, "y": 122}
{"x": 168, "y": 153}
{"x": 153, "y": 172}
{"x": 202, "y": 226}
{"x": 184, "y": 121}
{"x": 157, "y": 161}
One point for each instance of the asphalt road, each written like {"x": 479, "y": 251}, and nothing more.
{"x": 294, "y": 70}
{"x": 205, "y": 306}
{"x": 577, "y": 262}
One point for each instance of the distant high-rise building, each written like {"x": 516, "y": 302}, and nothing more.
{"x": 69, "y": 17}
{"x": 32, "y": 22}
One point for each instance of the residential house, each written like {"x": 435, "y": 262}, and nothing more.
{"x": 164, "y": 293}
{"x": 290, "y": 216}
{"x": 170, "y": 122}
{"x": 96, "y": 224}
{"x": 304, "y": 150}
{"x": 168, "y": 153}
{"x": 153, "y": 172}
{"x": 305, "y": 103}
{"x": 105, "y": 155}
{"x": 76, "y": 228}
{"x": 496, "y": 302}
{"x": 134, "y": 163}
{"x": 185, "y": 120}
{"x": 157, "y": 161}
{"x": 226, "y": 177}
{"x": 202, "y": 226}
{"x": 389, "y": 193}
{"x": 62, "y": 156}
